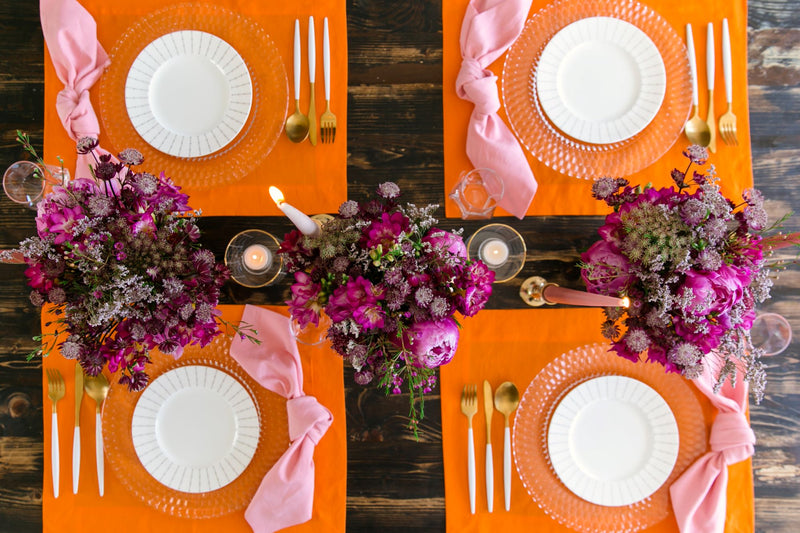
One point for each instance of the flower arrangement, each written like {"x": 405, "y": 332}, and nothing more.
{"x": 119, "y": 259}
{"x": 391, "y": 284}
{"x": 694, "y": 265}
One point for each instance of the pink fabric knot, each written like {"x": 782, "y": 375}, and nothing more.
{"x": 732, "y": 436}
{"x": 479, "y": 86}
{"x": 307, "y": 418}
{"x": 76, "y": 113}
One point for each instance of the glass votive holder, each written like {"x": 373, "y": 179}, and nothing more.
{"x": 252, "y": 257}
{"x": 26, "y": 183}
{"x": 771, "y": 332}
{"x": 477, "y": 192}
{"x": 312, "y": 334}
{"x": 501, "y": 248}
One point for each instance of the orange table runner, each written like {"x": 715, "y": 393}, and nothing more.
{"x": 120, "y": 510}
{"x": 313, "y": 179}
{"x": 559, "y": 194}
{"x": 515, "y": 345}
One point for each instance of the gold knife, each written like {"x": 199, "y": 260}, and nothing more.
{"x": 76, "y": 438}
{"x": 488, "y": 408}
{"x": 312, "y": 69}
{"x": 710, "y": 59}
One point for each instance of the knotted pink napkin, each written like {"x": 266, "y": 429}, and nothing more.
{"x": 489, "y": 28}
{"x": 79, "y": 60}
{"x": 699, "y": 495}
{"x": 286, "y": 494}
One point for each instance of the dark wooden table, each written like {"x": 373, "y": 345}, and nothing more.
{"x": 395, "y": 132}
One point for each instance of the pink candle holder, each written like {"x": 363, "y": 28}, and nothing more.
{"x": 536, "y": 292}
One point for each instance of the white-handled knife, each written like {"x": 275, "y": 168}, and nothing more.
{"x": 488, "y": 407}
{"x": 76, "y": 438}
{"x": 312, "y": 76}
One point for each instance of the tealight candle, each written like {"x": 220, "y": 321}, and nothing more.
{"x": 494, "y": 252}
{"x": 303, "y": 222}
{"x": 257, "y": 258}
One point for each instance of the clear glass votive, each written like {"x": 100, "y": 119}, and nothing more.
{"x": 501, "y": 248}
{"x": 252, "y": 257}
{"x": 26, "y": 183}
{"x": 771, "y": 332}
{"x": 312, "y": 334}
{"x": 477, "y": 192}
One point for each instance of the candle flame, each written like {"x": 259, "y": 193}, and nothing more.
{"x": 626, "y": 302}
{"x": 277, "y": 195}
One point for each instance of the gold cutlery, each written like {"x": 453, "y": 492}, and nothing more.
{"x": 327, "y": 120}
{"x": 488, "y": 408}
{"x": 696, "y": 128}
{"x": 297, "y": 123}
{"x": 312, "y": 76}
{"x": 727, "y": 122}
{"x": 76, "y": 438}
{"x": 97, "y": 389}
{"x": 469, "y": 406}
{"x": 710, "y": 118}
{"x": 506, "y": 400}
{"x": 56, "y": 391}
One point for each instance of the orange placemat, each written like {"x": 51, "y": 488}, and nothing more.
{"x": 559, "y": 194}
{"x": 514, "y": 345}
{"x": 119, "y": 510}
{"x": 313, "y": 179}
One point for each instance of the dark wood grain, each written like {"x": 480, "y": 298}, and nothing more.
{"x": 395, "y": 132}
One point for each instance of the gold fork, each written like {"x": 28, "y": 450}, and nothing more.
{"x": 97, "y": 389}
{"x": 327, "y": 122}
{"x": 469, "y": 406}
{"x": 56, "y": 391}
{"x": 727, "y": 122}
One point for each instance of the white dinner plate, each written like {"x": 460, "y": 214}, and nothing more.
{"x": 195, "y": 429}
{"x": 613, "y": 440}
{"x": 188, "y": 93}
{"x": 601, "y": 80}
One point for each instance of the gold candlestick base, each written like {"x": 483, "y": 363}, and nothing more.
{"x": 532, "y": 291}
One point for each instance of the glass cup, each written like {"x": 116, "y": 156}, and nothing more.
{"x": 310, "y": 334}
{"x": 771, "y": 332}
{"x": 26, "y": 183}
{"x": 477, "y": 193}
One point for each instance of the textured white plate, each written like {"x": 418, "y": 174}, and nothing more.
{"x": 195, "y": 429}
{"x": 188, "y": 93}
{"x": 613, "y": 440}
{"x": 601, "y": 80}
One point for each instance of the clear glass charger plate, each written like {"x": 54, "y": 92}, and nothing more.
{"x": 122, "y": 458}
{"x": 567, "y": 155}
{"x": 270, "y": 94}
{"x": 530, "y": 442}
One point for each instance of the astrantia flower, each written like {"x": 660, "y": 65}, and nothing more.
{"x": 131, "y": 156}
{"x": 86, "y": 145}
{"x": 388, "y": 190}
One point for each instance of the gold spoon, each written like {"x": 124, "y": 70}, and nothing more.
{"x": 297, "y": 122}
{"x": 696, "y": 129}
{"x": 97, "y": 389}
{"x": 506, "y": 399}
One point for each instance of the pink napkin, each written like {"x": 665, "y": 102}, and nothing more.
{"x": 286, "y": 494}
{"x": 489, "y": 28}
{"x": 79, "y": 60}
{"x": 699, "y": 495}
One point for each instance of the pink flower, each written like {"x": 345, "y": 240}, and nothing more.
{"x": 432, "y": 343}
{"x": 715, "y": 292}
{"x": 303, "y": 305}
{"x": 445, "y": 241}
{"x": 387, "y": 231}
{"x": 608, "y": 272}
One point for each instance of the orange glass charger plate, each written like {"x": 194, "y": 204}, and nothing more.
{"x": 570, "y": 156}
{"x": 121, "y": 455}
{"x": 270, "y": 94}
{"x": 531, "y": 447}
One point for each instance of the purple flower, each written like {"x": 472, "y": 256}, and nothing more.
{"x": 369, "y": 316}
{"x": 386, "y": 231}
{"x": 303, "y": 305}
{"x": 432, "y": 344}
{"x": 714, "y": 292}
{"x": 609, "y": 271}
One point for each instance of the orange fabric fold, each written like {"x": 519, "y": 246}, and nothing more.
{"x": 313, "y": 179}
{"x": 121, "y": 511}
{"x": 515, "y": 345}
{"x": 559, "y": 194}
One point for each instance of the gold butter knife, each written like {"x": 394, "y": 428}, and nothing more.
{"x": 312, "y": 69}
{"x": 488, "y": 408}
{"x": 710, "y": 59}
{"x": 76, "y": 438}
